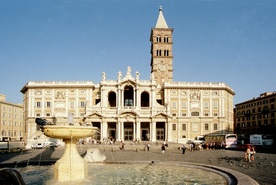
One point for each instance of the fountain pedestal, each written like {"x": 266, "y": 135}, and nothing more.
{"x": 71, "y": 166}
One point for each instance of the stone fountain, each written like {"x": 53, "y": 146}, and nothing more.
{"x": 71, "y": 166}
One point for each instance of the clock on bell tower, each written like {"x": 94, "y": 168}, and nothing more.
{"x": 161, "y": 50}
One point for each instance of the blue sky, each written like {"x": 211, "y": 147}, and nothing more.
{"x": 68, "y": 40}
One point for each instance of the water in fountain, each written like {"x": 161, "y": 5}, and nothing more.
{"x": 128, "y": 174}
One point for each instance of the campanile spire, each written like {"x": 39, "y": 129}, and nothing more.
{"x": 161, "y": 22}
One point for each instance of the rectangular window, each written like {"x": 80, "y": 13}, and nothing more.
{"x": 215, "y": 105}
{"x": 38, "y": 104}
{"x": 215, "y": 126}
{"x": 174, "y": 93}
{"x": 183, "y": 127}
{"x": 174, "y": 105}
{"x": 82, "y": 104}
{"x": 72, "y": 104}
{"x": 206, "y": 126}
{"x": 48, "y": 104}
{"x": 174, "y": 127}
{"x": 206, "y": 105}
{"x": 184, "y": 105}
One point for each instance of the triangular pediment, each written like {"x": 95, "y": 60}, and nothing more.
{"x": 128, "y": 82}
{"x": 94, "y": 115}
{"x": 161, "y": 115}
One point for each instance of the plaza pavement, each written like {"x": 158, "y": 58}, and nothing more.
{"x": 261, "y": 171}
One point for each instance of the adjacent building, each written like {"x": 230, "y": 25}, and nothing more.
{"x": 11, "y": 120}
{"x": 256, "y": 116}
{"x": 129, "y": 108}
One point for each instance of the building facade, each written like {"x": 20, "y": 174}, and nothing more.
{"x": 256, "y": 116}
{"x": 11, "y": 120}
{"x": 129, "y": 108}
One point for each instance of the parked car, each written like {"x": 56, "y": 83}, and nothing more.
{"x": 37, "y": 146}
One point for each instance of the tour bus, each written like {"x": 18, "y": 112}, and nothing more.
{"x": 221, "y": 140}
{"x": 261, "y": 139}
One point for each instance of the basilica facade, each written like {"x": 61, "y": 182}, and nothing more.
{"x": 129, "y": 108}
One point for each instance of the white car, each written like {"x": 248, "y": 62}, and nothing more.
{"x": 37, "y": 146}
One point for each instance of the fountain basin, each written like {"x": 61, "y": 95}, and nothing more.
{"x": 68, "y": 132}
{"x": 133, "y": 173}
{"x": 71, "y": 166}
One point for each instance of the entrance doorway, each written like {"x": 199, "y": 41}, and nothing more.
{"x": 128, "y": 131}
{"x": 145, "y": 135}
{"x": 160, "y": 131}
{"x": 112, "y": 131}
{"x": 97, "y": 136}
{"x": 145, "y": 131}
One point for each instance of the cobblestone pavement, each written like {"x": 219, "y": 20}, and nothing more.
{"x": 262, "y": 169}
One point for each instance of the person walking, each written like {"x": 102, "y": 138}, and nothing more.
{"x": 252, "y": 153}
{"x": 163, "y": 148}
{"x": 183, "y": 149}
{"x": 148, "y": 146}
{"x": 248, "y": 154}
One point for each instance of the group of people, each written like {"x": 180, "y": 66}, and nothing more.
{"x": 250, "y": 153}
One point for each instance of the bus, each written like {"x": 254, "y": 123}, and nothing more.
{"x": 221, "y": 140}
{"x": 261, "y": 139}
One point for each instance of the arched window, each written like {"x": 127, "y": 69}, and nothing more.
{"x": 166, "y": 52}
{"x": 195, "y": 113}
{"x": 145, "y": 99}
{"x": 112, "y": 99}
{"x": 128, "y": 96}
{"x": 158, "y": 39}
{"x": 158, "y": 52}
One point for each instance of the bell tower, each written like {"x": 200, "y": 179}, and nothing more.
{"x": 161, "y": 50}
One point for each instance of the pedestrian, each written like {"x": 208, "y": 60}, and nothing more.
{"x": 163, "y": 148}
{"x": 183, "y": 149}
{"x": 252, "y": 153}
{"x": 192, "y": 147}
{"x": 247, "y": 154}
{"x": 122, "y": 147}
{"x": 148, "y": 146}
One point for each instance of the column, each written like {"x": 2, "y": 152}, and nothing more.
{"x": 118, "y": 98}
{"x": 138, "y": 131}
{"x": 153, "y": 131}
{"x": 122, "y": 98}
{"x": 134, "y": 130}
{"x": 118, "y": 131}
{"x": 138, "y": 98}
{"x": 122, "y": 131}
{"x": 168, "y": 127}
{"x": 189, "y": 125}
{"x": 104, "y": 128}
{"x": 134, "y": 97}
